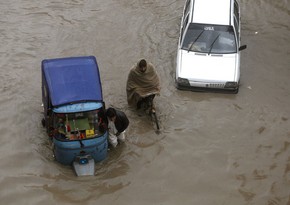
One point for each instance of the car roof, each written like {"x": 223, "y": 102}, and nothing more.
{"x": 212, "y": 12}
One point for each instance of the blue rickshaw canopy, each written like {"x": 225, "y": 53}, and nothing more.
{"x": 71, "y": 80}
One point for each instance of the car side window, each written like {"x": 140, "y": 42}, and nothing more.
{"x": 237, "y": 19}
{"x": 237, "y": 30}
{"x": 187, "y": 7}
{"x": 183, "y": 27}
{"x": 236, "y": 11}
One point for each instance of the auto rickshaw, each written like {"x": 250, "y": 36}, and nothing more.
{"x": 74, "y": 112}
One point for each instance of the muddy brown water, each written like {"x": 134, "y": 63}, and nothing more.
{"x": 212, "y": 148}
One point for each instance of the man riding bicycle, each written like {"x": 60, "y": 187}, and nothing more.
{"x": 142, "y": 85}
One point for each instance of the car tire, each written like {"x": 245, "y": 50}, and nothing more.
{"x": 236, "y": 91}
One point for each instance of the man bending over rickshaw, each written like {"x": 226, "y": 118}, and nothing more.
{"x": 142, "y": 85}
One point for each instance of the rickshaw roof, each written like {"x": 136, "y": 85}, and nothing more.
{"x": 74, "y": 79}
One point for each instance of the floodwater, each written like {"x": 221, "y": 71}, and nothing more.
{"x": 212, "y": 148}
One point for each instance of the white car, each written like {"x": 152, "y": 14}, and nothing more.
{"x": 208, "y": 56}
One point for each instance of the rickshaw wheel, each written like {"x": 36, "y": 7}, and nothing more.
{"x": 43, "y": 122}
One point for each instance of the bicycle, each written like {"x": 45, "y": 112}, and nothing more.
{"x": 148, "y": 105}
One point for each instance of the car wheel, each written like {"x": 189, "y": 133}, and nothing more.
{"x": 236, "y": 91}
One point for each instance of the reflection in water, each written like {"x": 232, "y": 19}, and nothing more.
{"x": 212, "y": 148}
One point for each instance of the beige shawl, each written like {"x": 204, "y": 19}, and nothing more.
{"x": 140, "y": 84}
